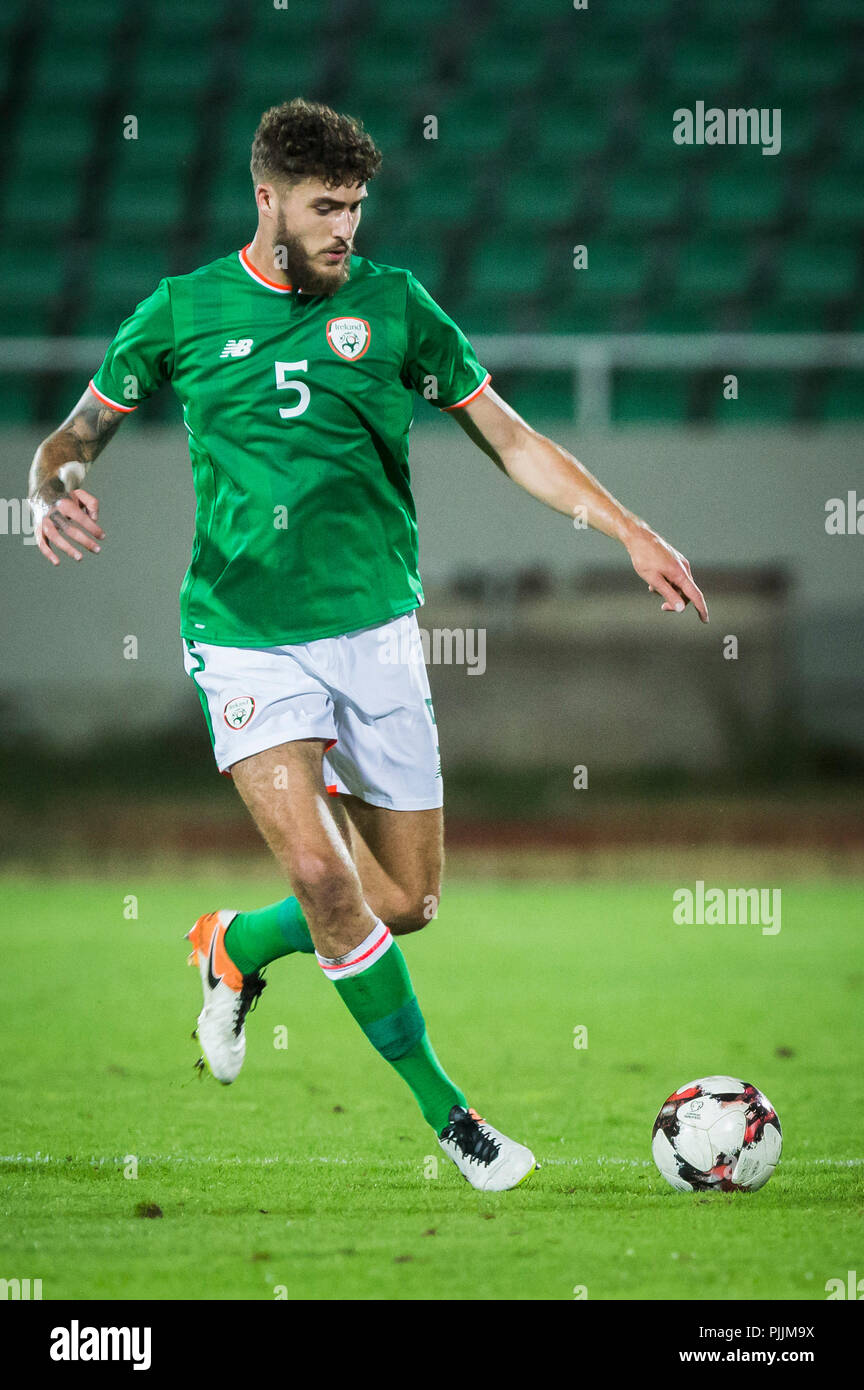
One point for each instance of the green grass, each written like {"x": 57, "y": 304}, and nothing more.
{"x": 310, "y": 1173}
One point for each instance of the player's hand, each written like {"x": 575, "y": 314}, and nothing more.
{"x": 71, "y": 517}
{"x": 666, "y": 572}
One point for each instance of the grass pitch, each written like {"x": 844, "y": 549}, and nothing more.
{"x": 126, "y": 1176}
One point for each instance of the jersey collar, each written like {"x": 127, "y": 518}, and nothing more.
{"x": 256, "y": 274}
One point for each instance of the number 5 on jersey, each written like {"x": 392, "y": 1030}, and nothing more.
{"x": 282, "y": 370}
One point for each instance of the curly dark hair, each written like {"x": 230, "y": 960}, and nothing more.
{"x": 303, "y": 139}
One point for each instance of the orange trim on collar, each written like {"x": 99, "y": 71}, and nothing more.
{"x": 256, "y": 274}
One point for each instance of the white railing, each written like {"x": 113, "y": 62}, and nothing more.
{"x": 591, "y": 359}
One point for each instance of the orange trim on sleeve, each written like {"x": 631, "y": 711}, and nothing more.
{"x": 106, "y": 400}
{"x": 482, "y": 387}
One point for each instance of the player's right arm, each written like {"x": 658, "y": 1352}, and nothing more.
{"x": 63, "y": 511}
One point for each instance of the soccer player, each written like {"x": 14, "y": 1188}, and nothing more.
{"x": 295, "y": 360}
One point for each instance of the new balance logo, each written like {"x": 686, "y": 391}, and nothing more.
{"x": 237, "y": 347}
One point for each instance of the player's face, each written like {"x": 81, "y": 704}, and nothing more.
{"x": 316, "y": 225}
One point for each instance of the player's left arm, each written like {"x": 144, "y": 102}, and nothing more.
{"x": 555, "y": 477}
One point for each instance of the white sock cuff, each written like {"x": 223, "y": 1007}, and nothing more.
{"x": 370, "y": 950}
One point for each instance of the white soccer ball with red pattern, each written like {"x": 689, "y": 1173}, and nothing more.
{"x": 718, "y": 1134}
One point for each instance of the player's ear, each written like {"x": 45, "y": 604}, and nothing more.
{"x": 265, "y": 198}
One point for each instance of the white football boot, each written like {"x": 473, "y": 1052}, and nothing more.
{"x": 484, "y": 1156}
{"x": 228, "y": 996}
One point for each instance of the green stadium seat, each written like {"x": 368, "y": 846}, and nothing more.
{"x": 12, "y": 13}
{"x": 32, "y": 205}
{"x": 680, "y": 316}
{"x": 723, "y": 14}
{"x": 145, "y": 203}
{"x": 567, "y": 313}
{"x": 829, "y": 15}
{"x": 125, "y": 271}
{"x": 269, "y": 74}
{"x": 534, "y": 196}
{"x": 294, "y": 21}
{"x": 73, "y": 71}
{"x": 52, "y": 140}
{"x": 569, "y": 131}
{"x": 787, "y": 316}
{"x": 66, "y": 22}
{"x": 501, "y": 65}
{"x": 607, "y": 65}
{"x": 835, "y": 198}
{"x": 713, "y": 269}
{"x": 391, "y": 127}
{"x": 650, "y": 396}
{"x": 763, "y": 397}
{"x": 232, "y": 215}
{"x": 617, "y": 269}
{"x": 646, "y": 200}
{"x": 649, "y": 139}
{"x": 473, "y": 127}
{"x": 176, "y": 76}
{"x": 817, "y": 269}
{"x": 741, "y": 199}
{"x": 436, "y": 198}
{"x": 530, "y": 14}
{"x": 425, "y": 259}
{"x": 707, "y": 66}
{"x": 192, "y": 21}
{"x": 539, "y": 395}
{"x": 502, "y": 267}
{"x": 843, "y": 398}
{"x": 18, "y": 394}
{"x": 798, "y": 70}
{"x": 165, "y": 140}
{"x": 29, "y": 289}
{"x": 631, "y": 16}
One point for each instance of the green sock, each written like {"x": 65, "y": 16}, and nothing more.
{"x": 255, "y": 938}
{"x": 383, "y": 1002}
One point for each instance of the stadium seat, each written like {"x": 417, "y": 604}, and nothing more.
{"x": 657, "y": 396}
{"x": 569, "y": 132}
{"x": 173, "y": 79}
{"x": 145, "y": 202}
{"x": 501, "y": 267}
{"x": 63, "y": 138}
{"x": 504, "y": 65}
{"x": 644, "y": 201}
{"x": 801, "y": 70}
{"x": 815, "y": 269}
{"x": 74, "y": 70}
{"x": 835, "y": 199}
{"x": 763, "y": 396}
{"x": 616, "y": 269}
{"x": 741, "y": 199}
{"x": 539, "y": 197}
{"x": 843, "y": 398}
{"x": 709, "y": 66}
{"x": 469, "y": 125}
{"x": 713, "y": 269}
{"x": 29, "y": 289}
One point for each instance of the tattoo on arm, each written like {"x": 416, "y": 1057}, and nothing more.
{"x": 82, "y": 437}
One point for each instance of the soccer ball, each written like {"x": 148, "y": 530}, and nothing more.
{"x": 717, "y": 1134}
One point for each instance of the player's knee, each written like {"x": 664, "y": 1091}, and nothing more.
{"x": 412, "y": 911}
{"x": 324, "y": 885}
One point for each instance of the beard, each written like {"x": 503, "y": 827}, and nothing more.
{"x": 290, "y": 256}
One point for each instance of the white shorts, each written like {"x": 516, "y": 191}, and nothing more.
{"x": 366, "y": 694}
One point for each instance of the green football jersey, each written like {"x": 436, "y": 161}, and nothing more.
{"x": 297, "y": 409}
